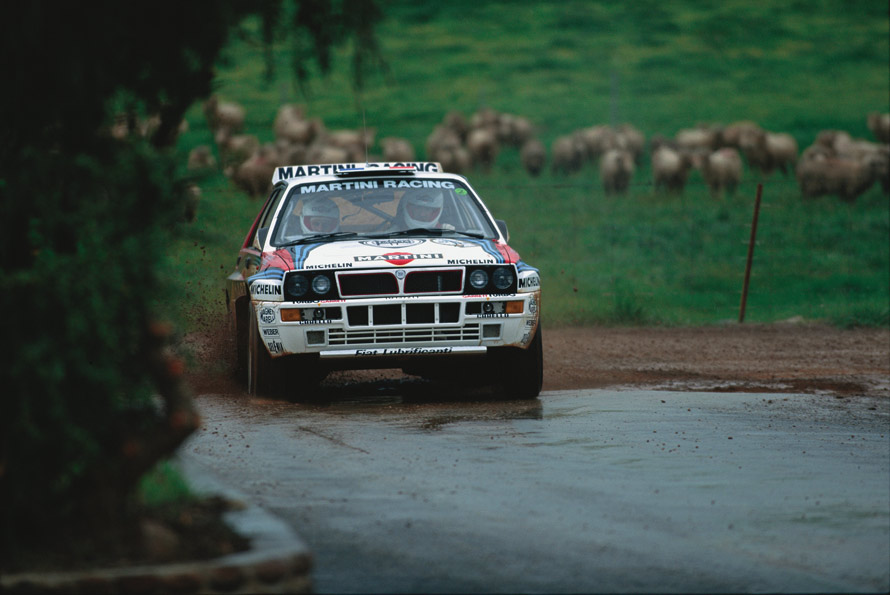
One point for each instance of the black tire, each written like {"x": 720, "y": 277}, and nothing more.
{"x": 263, "y": 375}
{"x": 522, "y": 370}
{"x": 240, "y": 330}
{"x": 293, "y": 377}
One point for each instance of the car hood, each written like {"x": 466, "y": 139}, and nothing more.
{"x": 390, "y": 253}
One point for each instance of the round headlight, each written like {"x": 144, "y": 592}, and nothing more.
{"x": 478, "y": 279}
{"x": 297, "y": 285}
{"x": 502, "y": 277}
{"x": 321, "y": 285}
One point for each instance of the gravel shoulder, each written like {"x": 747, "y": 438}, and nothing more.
{"x": 783, "y": 358}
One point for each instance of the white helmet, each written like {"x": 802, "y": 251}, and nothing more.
{"x": 423, "y": 208}
{"x": 319, "y": 215}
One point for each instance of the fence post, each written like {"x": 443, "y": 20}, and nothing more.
{"x": 750, "y": 253}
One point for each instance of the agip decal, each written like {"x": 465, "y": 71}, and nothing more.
{"x": 393, "y": 243}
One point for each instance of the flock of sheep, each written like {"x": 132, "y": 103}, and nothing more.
{"x": 835, "y": 164}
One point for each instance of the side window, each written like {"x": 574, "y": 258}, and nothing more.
{"x": 271, "y": 207}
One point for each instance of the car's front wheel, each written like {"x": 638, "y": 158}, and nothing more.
{"x": 263, "y": 375}
{"x": 522, "y": 370}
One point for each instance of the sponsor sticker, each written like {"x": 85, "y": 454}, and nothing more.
{"x": 403, "y": 350}
{"x": 471, "y": 261}
{"x": 264, "y": 289}
{"x": 397, "y": 258}
{"x": 529, "y": 282}
{"x": 394, "y": 243}
{"x": 267, "y": 315}
{"x": 451, "y": 243}
{"x": 275, "y": 346}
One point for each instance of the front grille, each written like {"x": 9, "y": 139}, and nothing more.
{"x": 364, "y": 284}
{"x": 414, "y": 313}
{"x": 434, "y": 282}
{"x": 375, "y": 336}
{"x": 427, "y": 281}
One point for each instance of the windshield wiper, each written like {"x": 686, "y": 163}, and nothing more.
{"x": 337, "y": 235}
{"x": 427, "y": 231}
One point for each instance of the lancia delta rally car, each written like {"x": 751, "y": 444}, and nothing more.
{"x": 355, "y": 266}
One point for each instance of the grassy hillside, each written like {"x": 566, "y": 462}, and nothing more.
{"x": 797, "y": 67}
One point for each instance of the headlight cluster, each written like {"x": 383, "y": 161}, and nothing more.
{"x": 491, "y": 280}
{"x": 309, "y": 287}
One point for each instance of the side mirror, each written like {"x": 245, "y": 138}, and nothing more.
{"x": 261, "y": 235}
{"x": 502, "y": 225}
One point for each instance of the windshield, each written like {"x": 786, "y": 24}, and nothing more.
{"x": 381, "y": 207}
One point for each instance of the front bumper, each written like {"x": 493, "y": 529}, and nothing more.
{"x": 398, "y": 327}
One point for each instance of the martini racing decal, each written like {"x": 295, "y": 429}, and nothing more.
{"x": 298, "y": 171}
{"x": 275, "y": 274}
{"x": 371, "y": 184}
{"x": 301, "y": 253}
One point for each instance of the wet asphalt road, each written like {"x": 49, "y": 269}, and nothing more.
{"x": 590, "y": 491}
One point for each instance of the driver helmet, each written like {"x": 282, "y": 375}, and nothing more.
{"x": 423, "y": 208}
{"x": 319, "y": 215}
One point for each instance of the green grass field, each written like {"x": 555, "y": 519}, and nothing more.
{"x": 645, "y": 258}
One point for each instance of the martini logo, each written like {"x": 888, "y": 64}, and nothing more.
{"x": 397, "y": 258}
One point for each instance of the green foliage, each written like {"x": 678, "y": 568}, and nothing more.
{"x": 87, "y": 226}
{"x": 76, "y": 375}
{"x": 164, "y": 485}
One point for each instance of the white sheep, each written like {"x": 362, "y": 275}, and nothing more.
{"x": 701, "y": 138}
{"x": 235, "y": 149}
{"x": 533, "y": 156}
{"x": 224, "y": 115}
{"x": 782, "y": 150}
{"x": 616, "y": 170}
{"x": 201, "y": 159}
{"x": 567, "y": 154}
{"x": 733, "y": 134}
{"x": 397, "y": 150}
{"x": 843, "y": 177}
{"x": 670, "y": 168}
{"x": 722, "y": 171}
{"x": 482, "y": 143}
{"x": 254, "y": 175}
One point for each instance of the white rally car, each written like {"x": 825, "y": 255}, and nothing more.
{"x": 355, "y": 266}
